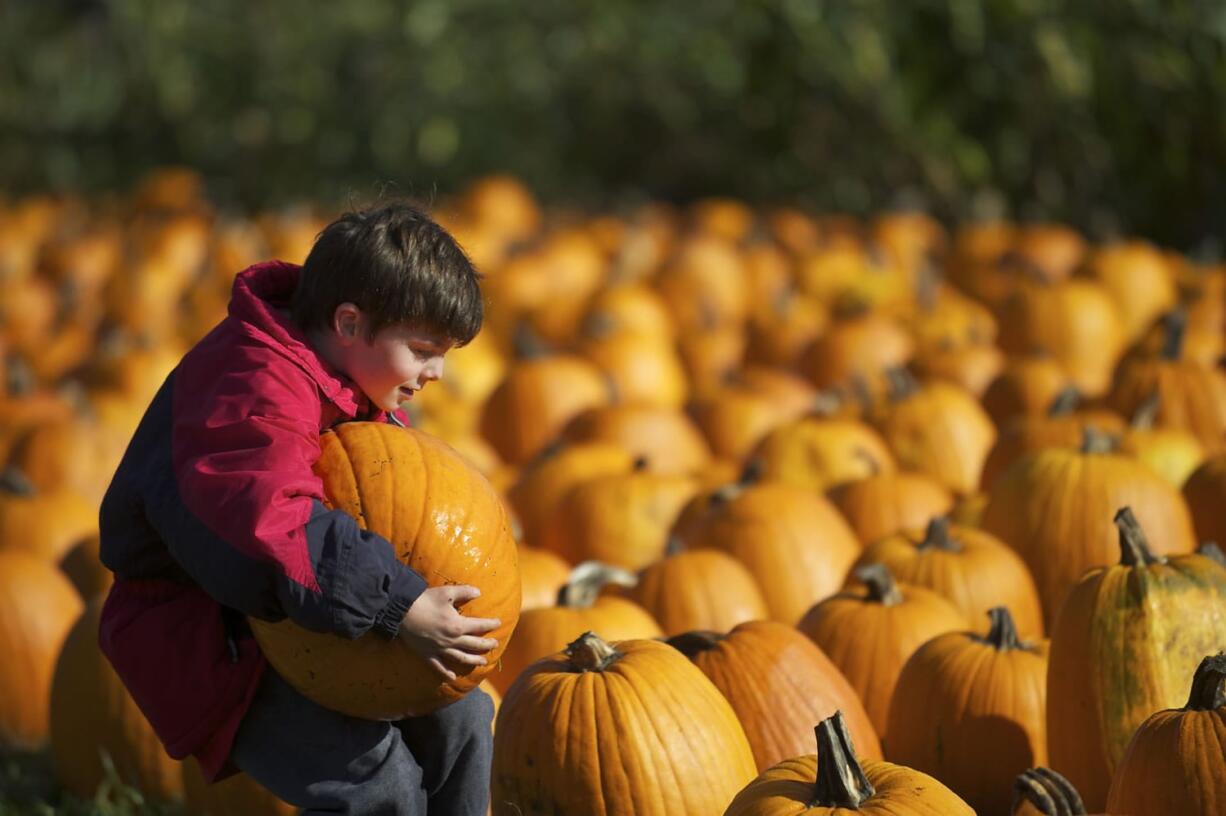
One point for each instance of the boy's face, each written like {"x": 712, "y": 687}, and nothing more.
{"x": 399, "y": 361}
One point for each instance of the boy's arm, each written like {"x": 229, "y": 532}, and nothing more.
{"x": 256, "y": 535}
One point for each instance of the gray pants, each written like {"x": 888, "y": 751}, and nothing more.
{"x": 325, "y": 762}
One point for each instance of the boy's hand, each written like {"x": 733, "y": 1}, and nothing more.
{"x": 435, "y": 629}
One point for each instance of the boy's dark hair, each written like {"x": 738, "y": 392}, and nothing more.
{"x": 398, "y": 266}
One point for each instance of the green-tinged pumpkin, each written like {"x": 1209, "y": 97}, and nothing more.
{"x": 869, "y": 634}
{"x": 580, "y": 608}
{"x": 628, "y": 728}
{"x": 1126, "y": 641}
{"x": 777, "y": 680}
{"x": 38, "y": 607}
{"x": 92, "y": 714}
{"x": 1176, "y": 760}
{"x": 973, "y": 570}
{"x": 448, "y": 524}
{"x": 1055, "y": 508}
{"x": 971, "y": 710}
{"x": 834, "y": 782}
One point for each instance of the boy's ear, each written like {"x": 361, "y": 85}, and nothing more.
{"x": 347, "y": 322}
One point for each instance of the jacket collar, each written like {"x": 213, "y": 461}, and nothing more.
{"x": 258, "y": 295}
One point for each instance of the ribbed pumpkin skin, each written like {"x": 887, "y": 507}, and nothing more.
{"x": 1055, "y": 508}
{"x": 700, "y": 589}
{"x": 536, "y": 400}
{"x": 647, "y": 736}
{"x": 787, "y": 789}
{"x": 38, "y": 607}
{"x": 972, "y": 716}
{"x": 1175, "y": 763}
{"x": 548, "y": 478}
{"x": 778, "y": 682}
{"x": 823, "y": 453}
{"x": 982, "y": 574}
{"x": 448, "y": 524}
{"x": 544, "y": 631}
{"x": 870, "y": 641}
{"x": 1030, "y": 434}
{"x": 942, "y": 431}
{"x": 91, "y": 710}
{"x": 1191, "y": 396}
{"x": 793, "y": 541}
{"x": 618, "y": 519}
{"x": 238, "y": 795}
{"x": 1124, "y": 646}
{"x": 542, "y": 574}
{"x": 886, "y": 503}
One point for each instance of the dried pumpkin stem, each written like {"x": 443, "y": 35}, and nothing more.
{"x": 1134, "y": 547}
{"x": 937, "y": 536}
{"x": 841, "y": 782}
{"x": 589, "y": 653}
{"x": 1095, "y": 441}
{"x": 674, "y": 546}
{"x": 1175, "y": 326}
{"x": 902, "y": 383}
{"x": 583, "y": 585}
{"x": 1049, "y": 792}
{"x": 861, "y": 452}
{"x": 1065, "y": 402}
{"x": 882, "y": 588}
{"x": 696, "y": 642}
{"x": 1209, "y": 685}
{"x": 1146, "y": 415}
{"x": 1003, "y": 634}
{"x": 14, "y": 482}
{"x": 1211, "y": 550}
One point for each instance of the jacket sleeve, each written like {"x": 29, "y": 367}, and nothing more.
{"x": 242, "y": 461}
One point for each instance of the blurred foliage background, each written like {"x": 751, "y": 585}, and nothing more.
{"x": 1107, "y": 116}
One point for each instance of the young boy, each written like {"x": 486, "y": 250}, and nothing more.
{"x": 214, "y": 514}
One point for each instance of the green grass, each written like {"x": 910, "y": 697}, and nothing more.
{"x": 28, "y": 788}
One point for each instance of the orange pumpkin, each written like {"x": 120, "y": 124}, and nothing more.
{"x": 394, "y": 482}
{"x": 834, "y": 782}
{"x": 37, "y": 609}
{"x": 870, "y": 634}
{"x": 819, "y": 453}
{"x": 1205, "y": 493}
{"x": 677, "y": 741}
{"x": 580, "y": 608}
{"x": 1026, "y": 387}
{"x": 972, "y": 711}
{"x": 666, "y": 439}
{"x": 777, "y": 680}
{"x": 689, "y": 590}
{"x": 542, "y": 574}
{"x": 886, "y": 503}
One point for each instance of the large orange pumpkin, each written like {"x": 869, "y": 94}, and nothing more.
{"x": 38, "y": 607}
{"x": 622, "y": 729}
{"x": 777, "y": 681}
{"x": 886, "y": 503}
{"x": 698, "y": 589}
{"x": 447, "y": 523}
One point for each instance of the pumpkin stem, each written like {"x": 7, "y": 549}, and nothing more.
{"x": 861, "y": 453}
{"x": 937, "y": 535}
{"x": 1144, "y": 417}
{"x": 752, "y": 473}
{"x": 589, "y": 653}
{"x": 1211, "y": 550}
{"x": 583, "y": 585}
{"x": 696, "y": 642}
{"x": 14, "y": 482}
{"x": 640, "y": 464}
{"x": 1208, "y": 685}
{"x": 1065, "y": 402}
{"x": 527, "y": 344}
{"x": 882, "y": 588}
{"x": 19, "y": 379}
{"x": 841, "y": 782}
{"x": 1003, "y": 634}
{"x": 674, "y": 546}
{"x": 901, "y": 382}
{"x": 1134, "y": 547}
{"x": 1095, "y": 441}
{"x": 1175, "y": 325}
{"x": 827, "y": 403}
{"x": 1049, "y": 792}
